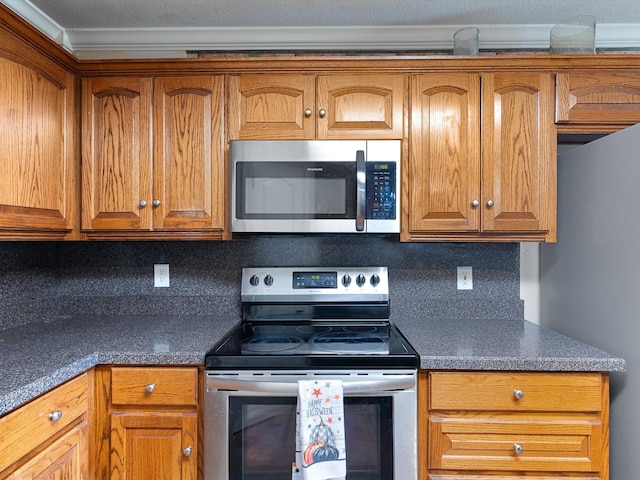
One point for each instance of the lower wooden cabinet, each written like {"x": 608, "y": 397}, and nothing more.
{"x": 150, "y": 428}
{"x": 501, "y": 426}
{"x": 47, "y": 439}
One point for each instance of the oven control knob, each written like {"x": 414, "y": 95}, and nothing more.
{"x": 361, "y": 280}
{"x": 254, "y": 280}
{"x": 375, "y": 280}
{"x": 346, "y": 280}
{"x": 268, "y": 280}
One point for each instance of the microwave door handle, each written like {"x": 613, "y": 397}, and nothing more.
{"x": 399, "y": 382}
{"x": 361, "y": 195}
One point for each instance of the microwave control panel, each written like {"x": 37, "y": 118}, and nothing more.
{"x": 381, "y": 190}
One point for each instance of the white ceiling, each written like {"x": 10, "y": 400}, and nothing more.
{"x": 121, "y": 28}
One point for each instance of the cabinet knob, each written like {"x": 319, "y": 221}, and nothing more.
{"x": 156, "y": 203}
{"x": 187, "y": 451}
{"x": 308, "y": 112}
{"x": 518, "y": 394}
{"x": 517, "y": 448}
{"x": 322, "y": 112}
{"x": 475, "y": 203}
{"x": 55, "y": 416}
{"x": 150, "y": 388}
{"x": 143, "y": 203}
{"x": 490, "y": 203}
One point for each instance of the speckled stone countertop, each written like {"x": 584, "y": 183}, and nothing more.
{"x": 38, "y": 357}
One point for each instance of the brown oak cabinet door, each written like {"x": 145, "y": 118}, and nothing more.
{"x": 360, "y": 106}
{"x": 116, "y": 164}
{"x": 518, "y": 153}
{"x": 154, "y": 445}
{"x": 37, "y": 156}
{"x": 444, "y": 165}
{"x": 188, "y": 153}
{"x": 271, "y": 107}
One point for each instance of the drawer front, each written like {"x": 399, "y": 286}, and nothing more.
{"x": 154, "y": 386}
{"x": 552, "y": 392}
{"x": 33, "y": 424}
{"x": 502, "y": 477}
{"x": 516, "y": 443}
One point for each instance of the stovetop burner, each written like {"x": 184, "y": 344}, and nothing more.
{"x": 302, "y": 318}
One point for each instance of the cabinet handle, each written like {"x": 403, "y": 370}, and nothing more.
{"x": 187, "y": 451}
{"x": 517, "y": 448}
{"x": 143, "y": 203}
{"x": 518, "y": 394}
{"x": 490, "y": 203}
{"x": 150, "y": 388}
{"x": 308, "y": 112}
{"x": 322, "y": 112}
{"x": 156, "y": 203}
{"x": 475, "y": 203}
{"x": 55, "y": 416}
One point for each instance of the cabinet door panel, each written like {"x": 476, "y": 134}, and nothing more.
{"x": 151, "y": 445}
{"x": 36, "y": 158}
{"x": 188, "y": 156}
{"x": 360, "y": 106}
{"x": 116, "y": 166}
{"x": 271, "y": 107}
{"x": 444, "y": 170}
{"x": 519, "y": 175}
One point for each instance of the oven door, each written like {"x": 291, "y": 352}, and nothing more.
{"x": 249, "y": 424}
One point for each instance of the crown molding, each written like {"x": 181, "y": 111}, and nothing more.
{"x": 177, "y": 42}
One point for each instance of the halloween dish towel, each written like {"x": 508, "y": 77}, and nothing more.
{"x": 320, "y": 446}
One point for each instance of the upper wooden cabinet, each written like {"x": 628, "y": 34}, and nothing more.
{"x": 482, "y": 161}
{"x": 153, "y": 171}
{"x": 37, "y": 111}
{"x": 597, "y": 101}
{"x": 287, "y": 106}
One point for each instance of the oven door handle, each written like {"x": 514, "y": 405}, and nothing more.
{"x": 400, "y": 382}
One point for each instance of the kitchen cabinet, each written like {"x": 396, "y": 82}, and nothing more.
{"x": 482, "y": 158}
{"x": 153, "y": 158}
{"x": 307, "y": 106}
{"x": 37, "y": 112}
{"x": 597, "y": 101}
{"x": 503, "y": 425}
{"x": 48, "y": 437}
{"x": 153, "y": 415}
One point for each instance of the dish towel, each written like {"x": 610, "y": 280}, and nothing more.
{"x": 320, "y": 445}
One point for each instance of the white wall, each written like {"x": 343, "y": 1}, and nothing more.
{"x": 530, "y": 280}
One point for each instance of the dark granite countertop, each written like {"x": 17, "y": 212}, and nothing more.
{"x": 38, "y": 357}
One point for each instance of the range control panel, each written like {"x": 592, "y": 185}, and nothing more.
{"x": 280, "y": 284}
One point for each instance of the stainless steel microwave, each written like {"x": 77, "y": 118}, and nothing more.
{"x": 315, "y": 186}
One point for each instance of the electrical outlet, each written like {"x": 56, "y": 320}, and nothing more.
{"x": 465, "y": 278}
{"x": 161, "y": 275}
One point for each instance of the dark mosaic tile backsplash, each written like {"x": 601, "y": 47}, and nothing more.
{"x": 40, "y": 281}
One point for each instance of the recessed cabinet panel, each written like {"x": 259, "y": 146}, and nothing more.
{"x": 444, "y": 176}
{"x": 116, "y": 165}
{"x": 36, "y": 159}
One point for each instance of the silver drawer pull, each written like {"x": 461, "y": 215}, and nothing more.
{"x": 518, "y": 394}
{"x": 150, "y": 388}
{"x": 517, "y": 448}
{"x": 187, "y": 452}
{"x": 55, "y": 416}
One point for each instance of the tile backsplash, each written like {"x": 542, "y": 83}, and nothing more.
{"x": 44, "y": 280}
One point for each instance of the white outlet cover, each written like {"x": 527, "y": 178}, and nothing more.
{"x": 465, "y": 278}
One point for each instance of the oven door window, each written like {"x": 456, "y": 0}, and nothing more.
{"x": 296, "y": 190}
{"x": 262, "y": 437}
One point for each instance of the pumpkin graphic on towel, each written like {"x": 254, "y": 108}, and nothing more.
{"x": 321, "y": 446}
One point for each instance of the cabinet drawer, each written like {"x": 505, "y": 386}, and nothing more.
{"x": 553, "y": 392}
{"x": 154, "y": 386}
{"x": 31, "y": 425}
{"x": 457, "y": 476}
{"x": 513, "y": 442}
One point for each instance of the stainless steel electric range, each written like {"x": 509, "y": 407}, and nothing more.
{"x": 311, "y": 323}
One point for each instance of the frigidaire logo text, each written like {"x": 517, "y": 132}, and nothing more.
{"x": 314, "y": 169}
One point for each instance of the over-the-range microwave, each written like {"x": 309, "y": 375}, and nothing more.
{"x": 315, "y": 186}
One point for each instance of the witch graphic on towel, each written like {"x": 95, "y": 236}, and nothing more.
{"x": 322, "y": 445}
